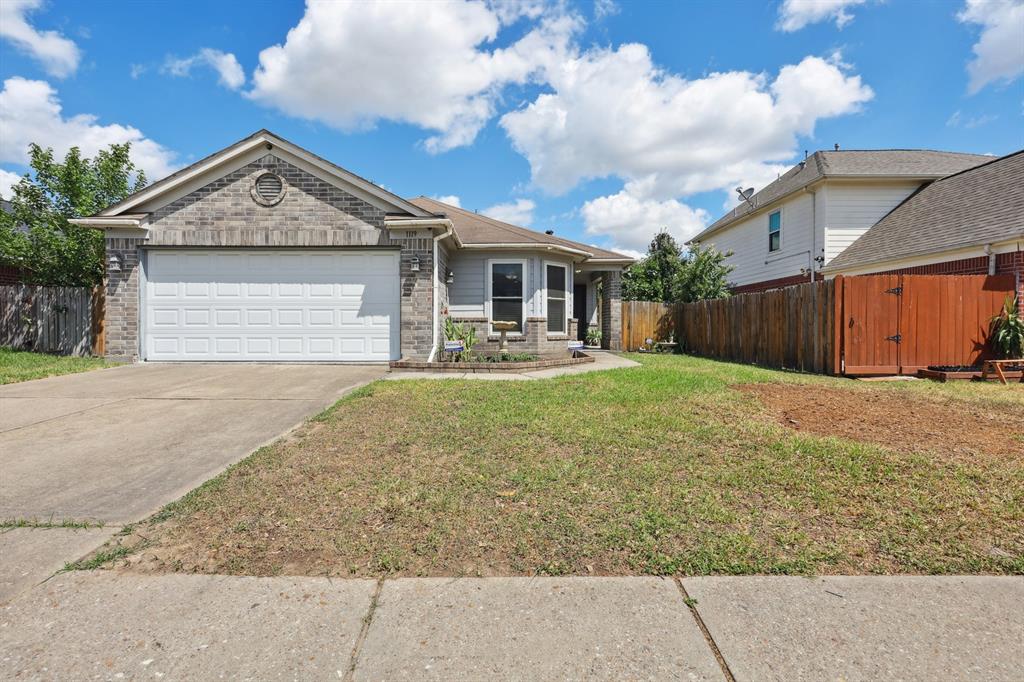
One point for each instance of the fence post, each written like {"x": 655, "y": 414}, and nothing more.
{"x": 838, "y": 325}
{"x": 98, "y": 321}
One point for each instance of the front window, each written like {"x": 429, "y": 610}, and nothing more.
{"x": 507, "y": 294}
{"x": 775, "y": 231}
{"x": 556, "y": 276}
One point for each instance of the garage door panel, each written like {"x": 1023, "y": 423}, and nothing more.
{"x": 297, "y": 306}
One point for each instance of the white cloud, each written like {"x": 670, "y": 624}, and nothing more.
{"x": 450, "y": 199}
{"x": 353, "y": 64}
{"x": 229, "y": 71}
{"x": 518, "y": 212}
{"x": 999, "y": 52}
{"x": 795, "y": 14}
{"x": 629, "y": 220}
{"x": 30, "y": 111}
{"x": 958, "y": 120}
{"x": 605, "y": 8}
{"x": 58, "y": 55}
{"x": 7, "y": 181}
{"x": 613, "y": 113}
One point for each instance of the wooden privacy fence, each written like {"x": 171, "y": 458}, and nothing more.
{"x": 642, "y": 320}
{"x": 64, "y": 320}
{"x": 793, "y": 328}
{"x": 870, "y": 324}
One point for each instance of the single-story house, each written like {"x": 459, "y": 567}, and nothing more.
{"x": 969, "y": 223}
{"x": 791, "y": 229}
{"x": 264, "y": 251}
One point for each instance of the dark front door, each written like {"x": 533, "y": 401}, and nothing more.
{"x": 579, "y": 310}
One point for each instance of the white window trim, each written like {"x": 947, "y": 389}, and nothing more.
{"x": 782, "y": 222}
{"x": 567, "y": 299}
{"x": 488, "y": 280}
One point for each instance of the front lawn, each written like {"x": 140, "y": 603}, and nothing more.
{"x": 681, "y": 466}
{"x": 20, "y": 365}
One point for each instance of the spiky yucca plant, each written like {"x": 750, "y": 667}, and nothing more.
{"x": 1007, "y": 331}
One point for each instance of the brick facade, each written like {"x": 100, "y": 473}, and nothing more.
{"x": 535, "y": 341}
{"x": 769, "y": 284}
{"x": 121, "y": 290}
{"x": 611, "y": 311}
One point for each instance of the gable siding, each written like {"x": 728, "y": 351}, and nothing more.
{"x": 313, "y": 212}
{"x": 748, "y": 240}
{"x": 853, "y": 208}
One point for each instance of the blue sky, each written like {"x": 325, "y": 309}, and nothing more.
{"x": 604, "y": 121}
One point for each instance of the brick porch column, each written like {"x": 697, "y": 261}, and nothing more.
{"x": 611, "y": 310}
{"x": 121, "y": 308}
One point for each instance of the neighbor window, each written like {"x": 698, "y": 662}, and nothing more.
{"x": 507, "y": 293}
{"x": 556, "y": 276}
{"x": 775, "y": 231}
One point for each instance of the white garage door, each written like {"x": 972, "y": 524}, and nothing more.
{"x": 261, "y": 304}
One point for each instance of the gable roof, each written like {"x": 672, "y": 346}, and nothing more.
{"x": 921, "y": 164}
{"x": 246, "y": 145}
{"x": 978, "y": 206}
{"x": 474, "y": 229}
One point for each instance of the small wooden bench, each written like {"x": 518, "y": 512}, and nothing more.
{"x": 996, "y": 366}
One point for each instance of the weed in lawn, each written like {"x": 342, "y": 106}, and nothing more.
{"x": 48, "y": 523}
{"x": 662, "y": 469}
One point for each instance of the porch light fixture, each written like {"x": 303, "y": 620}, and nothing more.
{"x": 414, "y": 264}
{"x": 449, "y": 276}
{"x": 114, "y": 263}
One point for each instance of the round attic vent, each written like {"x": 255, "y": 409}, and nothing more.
{"x": 267, "y": 188}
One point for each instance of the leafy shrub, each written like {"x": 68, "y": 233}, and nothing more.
{"x": 1007, "y": 331}
{"x": 594, "y": 337}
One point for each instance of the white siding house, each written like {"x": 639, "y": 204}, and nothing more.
{"x": 818, "y": 208}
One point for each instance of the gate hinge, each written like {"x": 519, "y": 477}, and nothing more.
{"x": 896, "y": 337}
{"x": 895, "y": 291}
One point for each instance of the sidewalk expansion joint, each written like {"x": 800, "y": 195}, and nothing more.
{"x": 363, "y": 631}
{"x": 692, "y": 605}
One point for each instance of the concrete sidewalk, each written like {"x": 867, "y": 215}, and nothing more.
{"x": 127, "y": 626}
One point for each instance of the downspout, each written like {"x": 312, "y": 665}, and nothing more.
{"x": 991, "y": 259}
{"x": 814, "y": 230}
{"x": 437, "y": 299}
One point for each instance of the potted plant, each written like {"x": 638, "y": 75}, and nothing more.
{"x": 594, "y": 337}
{"x": 1007, "y": 331}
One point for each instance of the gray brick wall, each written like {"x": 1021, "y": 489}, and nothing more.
{"x": 312, "y": 213}
{"x": 611, "y": 311}
{"x": 122, "y": 300}
{"x": 535, "y": 340}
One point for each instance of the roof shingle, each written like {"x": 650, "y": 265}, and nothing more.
{"x": 978, "y": 206}
{"x": 474, "y": 228}
{"x": 910, "y": 163}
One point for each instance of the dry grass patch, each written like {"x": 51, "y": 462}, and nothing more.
{"x": 662, "y": 469}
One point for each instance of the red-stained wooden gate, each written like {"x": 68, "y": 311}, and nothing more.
{"x": 897, "y": 324}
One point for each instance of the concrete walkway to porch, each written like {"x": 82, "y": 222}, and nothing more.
{"x": 602, "y": 360}
{"x": 113, "y": 625}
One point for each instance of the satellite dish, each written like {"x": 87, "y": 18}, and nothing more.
{"x": 745, "y": 194}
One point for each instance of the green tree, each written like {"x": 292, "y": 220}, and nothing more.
{"x": 654, "y": 277}
{"x": 36, "y": 235}
{"x": 703, "y": 275}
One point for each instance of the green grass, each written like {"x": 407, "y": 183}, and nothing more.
{"x": 19, "y": 365}
{"x": 662, "y": 469}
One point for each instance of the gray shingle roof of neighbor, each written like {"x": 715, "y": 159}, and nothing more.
{"x": 474, "y": 228}
{"x": 909, "y": 163}
{"x": 982, "y": 205}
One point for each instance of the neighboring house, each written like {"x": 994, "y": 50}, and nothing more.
{"x": 267, "y": 252}
{"x": 797, "y": 224}
{"x": 971, "y": 222}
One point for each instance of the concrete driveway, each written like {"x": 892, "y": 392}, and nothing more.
{"x": 115, "y": 445}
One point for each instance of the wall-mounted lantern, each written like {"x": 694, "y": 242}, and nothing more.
{"x": 414, "y": 264}
{"x": 449, "y": 276}
{"x": 114, "y": 263}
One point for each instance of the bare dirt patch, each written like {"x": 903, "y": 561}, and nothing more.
{"x": 895, "y": 419}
